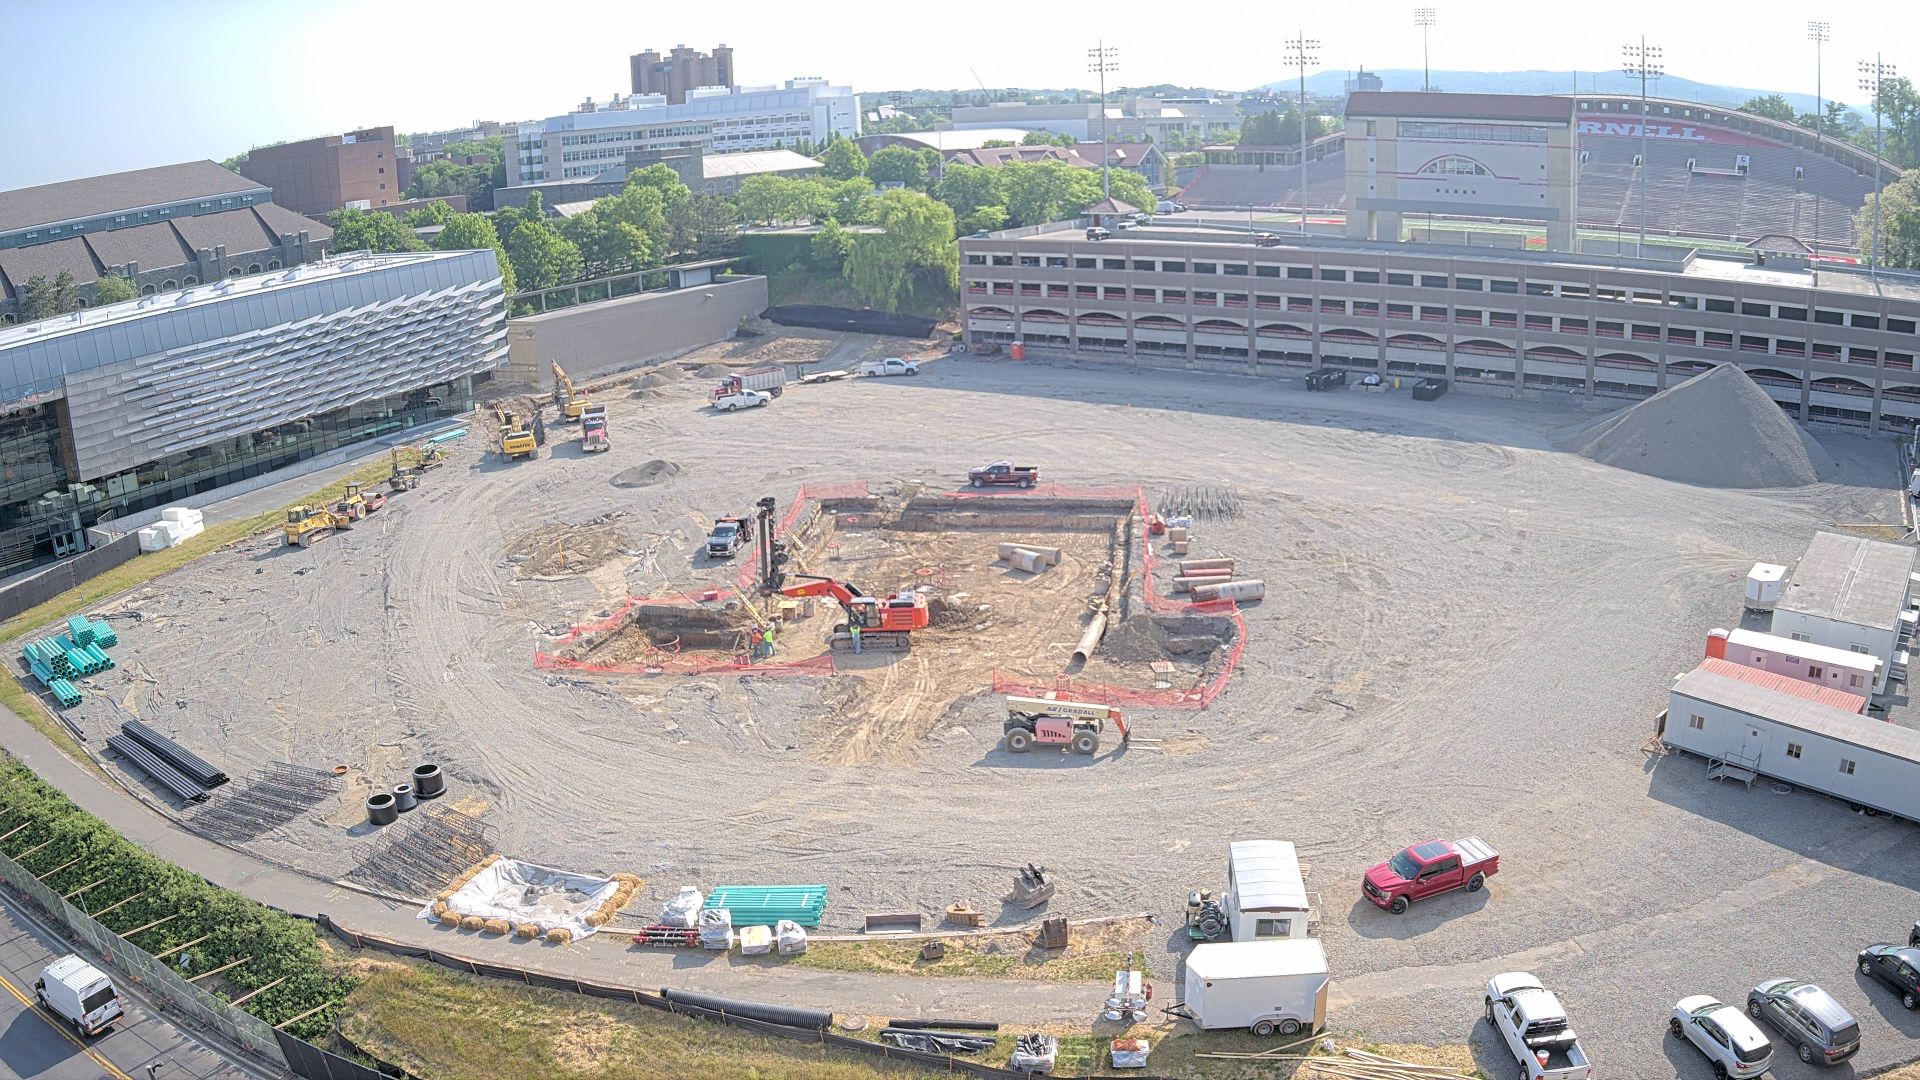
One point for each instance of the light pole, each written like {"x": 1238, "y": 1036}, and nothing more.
{"x": 1423, "y": 17}
{"x": 1101, "y": 60}
{"x": 1642, "y": 60}
{"x": 1818, "y": 32}
{"x": 1872, "y": 75}
{"x": 1301, "y": 51}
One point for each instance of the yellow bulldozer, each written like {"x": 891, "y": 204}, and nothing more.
{"x": 569, "y": 399}
{"x": 305, "y": 524}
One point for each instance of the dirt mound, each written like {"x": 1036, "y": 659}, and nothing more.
{"x": 1146, "y": 639}
{"x": 657, "y": 377}
{"x": 552, "y": 550}
{"x": 1714, "y": 430}
{"x": 714, "y": 371}
{"x": 653, "y": 472}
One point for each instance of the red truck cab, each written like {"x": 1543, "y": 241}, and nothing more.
{"x": 1430, "y": 868}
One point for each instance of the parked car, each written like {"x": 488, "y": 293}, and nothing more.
{"x": 1808, "y": 1018}
{"x": 1004, "y": 474}
{"x": 892, "y": 365}
{"x": 1126, "y": 225}
{"x": 78, "y": 993}
{"x": 1534, "y": 1024}
{"x": 1428, "y": 869}
{"x": 1897, "y": 966}
{"x": 1168, "y": 206}
{"x": 1429, "y": 389}
{"x": 744, "y": 399}
{"x": 1265, "y": 239}
{"x": 1095, "y": 232}
{"x": 1733, "y": 1044}
{"x": 1326, "y": 378}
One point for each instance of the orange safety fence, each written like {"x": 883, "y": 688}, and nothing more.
{"x": 749, "y": 571}
{"x": 669, "y": 659}
{"x": 1193, "y": 697}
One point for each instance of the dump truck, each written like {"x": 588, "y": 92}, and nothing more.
{"x": 593, "y": 430}
{"x": 1004, "y": 473}
{"x": 768, "y": 380}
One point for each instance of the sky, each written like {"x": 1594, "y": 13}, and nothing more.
{"x": 105, "y": 85}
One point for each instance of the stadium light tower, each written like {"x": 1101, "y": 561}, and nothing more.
{"x": 1101, "y": 60}
{"x": 1424, "y": 18}
{"x": 1874, "y": 73}
{"x": 1301, "y": 51}
{"x": 1643, "y": 60}
{"x": 1819, "y": 32}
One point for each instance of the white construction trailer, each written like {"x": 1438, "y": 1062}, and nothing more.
{"x": 1749, "y": 724}
{"x": 1266, "y": 897}
{"x": 1821, "y": 665}
{"x": 1851, "y": 593}
{"x": 1267, "y": 987}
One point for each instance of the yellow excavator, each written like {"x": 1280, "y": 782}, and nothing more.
{"x": 569, "y": 399}
{"x": 516, "y": 438}
{"x": 305, "y": 524}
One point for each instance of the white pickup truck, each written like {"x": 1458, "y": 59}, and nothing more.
{"x": 744, "y": 399}
{"x": 892, "y": 365}
{"x": 1534, "y": 1024}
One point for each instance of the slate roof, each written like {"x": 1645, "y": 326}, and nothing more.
{"x": 93, "y": 195}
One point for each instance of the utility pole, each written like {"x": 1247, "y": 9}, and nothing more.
{"x": 1872, "y": 76}
{"x": 1818, "y": 32}
{"x": 1643, "y": 60}
{"x": 1423, "y": 17}
{"x": 1101, "y": 60}
{"x": 1301, "y": 51}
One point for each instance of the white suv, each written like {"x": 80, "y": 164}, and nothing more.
{"x": 1734, "y": 1045}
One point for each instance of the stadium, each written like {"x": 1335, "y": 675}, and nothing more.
{"x": 1503, "y": 300}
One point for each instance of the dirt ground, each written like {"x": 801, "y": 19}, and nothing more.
{"x": 1465, "y": 632}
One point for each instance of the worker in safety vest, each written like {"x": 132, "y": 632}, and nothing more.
{"x": 855, "y": 631}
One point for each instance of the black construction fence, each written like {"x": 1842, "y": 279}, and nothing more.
{"x": 666, "y": 1001}
{"x": 309, "y": 1061}
{"x": 58, "y": 578}
{"x": 853, "y": 320}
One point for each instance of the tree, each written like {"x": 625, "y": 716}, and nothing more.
{"x": 704, "y": 224}
{"x": 1037, "y": 192}
{"x": 1263, "y": 129}
{"x": 643, "y": 206}
{"x": 897, "y": 165}
{"x": 984, "y": 219}
{"x": 608, "y": 245}
{"x": 1899, "y": 223}
{"x": 509, "y": 218}
{"x": 65, "y": 297}
{"x": 1036, "y": 138}
{"x": 843, "y": 160}
{"x": 371, "y": 230}
{"x": 994, "y": 144}
{"x": 114, "y": 289}
{"x": 931, "y": 163}
{"x": 473, "y": 232}
{"x": 434, "y": 213}
{"x": 967, "y": 188}
{"x": 541, "y": 257}
{"x": 36, "y": 299}
{"x": 1771, "y": 106}
{"x": 830, "y": 248}
{"x": 662, "y": 179}
{"x": 913, "y": 259}
{"x": 1130, "y": 187}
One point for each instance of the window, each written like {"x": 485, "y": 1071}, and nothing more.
{"x": 1853, "y": 680}
{"x": 1272, "y": 928}
{"x": 1831, "y": 318}
{"x": 1846, "y": 766}
{"x": 976, "y": 259}
{"x": 1470, "y": 284}
{"x": 1143, "y": 264}
{"x": 1330, "y": 274}
{"x": 1798, "y": 636}
{"x": 1205, "y": 268}
{"x": 1539, "y": 288}
{"x": 1859, "y": 648}
{"x": 1763, "y": 311}
{"x": 1454, "y": 165}
{"x": 1113, "y": 264}
{"x": 1173, "y": 266}
{"x": 1029, "y": 260}
{"x": 1697, "y": 722}
{"x": 1793, "y": 314}
{"x": 1083, "y": 264}
{"x": 1725, "y": 306}
{"x": 1300, "y": 272}
{"x": 1433, "y": 281}
{"x": 1866, "y": 322}
{"x": 1267, "y": 271}
{"x": 1399, "y": 279}
{"x": 1367, "y": 277}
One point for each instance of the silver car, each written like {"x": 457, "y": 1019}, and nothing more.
{"x": 1733, "y": 1045}
{"x": 1809, "y": 1019}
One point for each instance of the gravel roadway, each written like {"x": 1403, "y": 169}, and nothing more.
{"x": 1465, "y": 632}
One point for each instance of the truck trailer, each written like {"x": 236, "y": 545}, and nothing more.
{"x": 1749, "y": 723}
{"x": 1268, "y": 987}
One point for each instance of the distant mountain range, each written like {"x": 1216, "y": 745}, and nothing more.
{"x": 1332, "y": 83}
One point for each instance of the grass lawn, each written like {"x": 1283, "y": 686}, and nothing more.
{"x": 443, "y": 1025}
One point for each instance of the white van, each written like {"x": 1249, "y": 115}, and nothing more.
{"x": 78, "y": 993}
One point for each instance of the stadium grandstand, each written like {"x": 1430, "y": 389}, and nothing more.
{"x": 1713, "y": 174}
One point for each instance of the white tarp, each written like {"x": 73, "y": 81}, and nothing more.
{"x": 521, "y": 892}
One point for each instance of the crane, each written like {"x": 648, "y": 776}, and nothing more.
{"x": 566, "y": 397}
{"x": 884, "y": 622}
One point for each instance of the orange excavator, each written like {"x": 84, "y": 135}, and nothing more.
{"x": 882, "y": 622}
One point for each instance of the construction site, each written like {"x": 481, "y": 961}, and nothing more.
{"x": 777, "y": 645}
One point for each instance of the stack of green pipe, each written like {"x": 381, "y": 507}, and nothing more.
{"x": 755, "y": 905}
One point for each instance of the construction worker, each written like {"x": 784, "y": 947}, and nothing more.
{"x": 766, "y": 642}
{"x": 855, "y": 631}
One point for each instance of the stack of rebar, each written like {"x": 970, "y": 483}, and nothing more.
{"x": 189, "y": 764}
{"x": 1199, "y": 503}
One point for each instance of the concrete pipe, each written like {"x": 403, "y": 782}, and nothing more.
{"x": 1189, "y": 582}
{"x": 1049, "y": 555}
{"x": 1188, "y": 566}
{"x": 403, "y": 797}
{"x": 1244, "y": 589}
{"x": 1026, "y": 560}
{"x": 428, "y": 781}
{"x": 1089, "y": 640}
{"x": 380, "y": 809}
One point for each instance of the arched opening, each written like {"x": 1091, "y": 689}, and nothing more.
{"x": 1343, "y": 333}
{"x": 1219, "y": 326}
{"x": 1901, "y": 393}
{"x": 192, "y": 281}
{"x": 1687, "y": 369}
{"x": 168, "y": 285}
{"x": 1280, "y": 330}
{"x": 1101, "y": 318}
{"x": 146, "y": 290}
{"x": 253, "y": 268}
{"x": 273, "y": 264}
{"x": 1415, "y": 341}
{"x": 1484, "y": 347}
{"x": 235, "y": 272}
{"x": 1766, "y": 376}
{"x": 990, "y": 313}
{"x": 1625, "y": 360}
{"x": 1555, "y": 352}
{"x": 1835, "y": 384}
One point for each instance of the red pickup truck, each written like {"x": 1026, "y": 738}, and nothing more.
{"x": 1430, "y": 868}
{"x": 1004, "y": 473}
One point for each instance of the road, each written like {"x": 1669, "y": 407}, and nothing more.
{"x": 34, "y": 1044}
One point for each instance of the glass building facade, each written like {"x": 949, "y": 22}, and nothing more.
{"x": 142, "y": 405}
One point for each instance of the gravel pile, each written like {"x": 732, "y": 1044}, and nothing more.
{"x": 653, "y": 472}
{"x": 715, "y": 371}
{"x": 1715, "y": 430}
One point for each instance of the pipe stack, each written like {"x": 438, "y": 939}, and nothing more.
{"x": 1028, "y": 557}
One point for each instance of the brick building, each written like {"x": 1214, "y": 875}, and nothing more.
{"x": 318, "y": 176}
{"x": 681, "y": 70}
